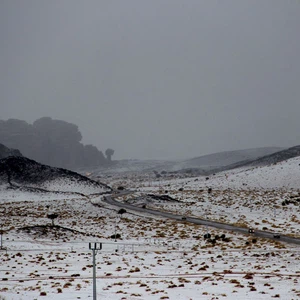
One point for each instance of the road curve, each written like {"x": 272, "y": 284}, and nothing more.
{"x": 259, "y": 233}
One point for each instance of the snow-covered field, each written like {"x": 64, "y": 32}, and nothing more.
{"x": 155, "y": 258}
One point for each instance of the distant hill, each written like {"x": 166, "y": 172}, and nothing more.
{"x": 24, "y": 172}
{"x": 127, "y": 166}
{"x": 274, "y": 158}
{"x": 266, "y": 160}
{"x": 6, "y": 152}
{"x": 222, "y": 159}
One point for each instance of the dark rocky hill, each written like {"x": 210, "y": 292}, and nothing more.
{"x": 52, "y": 142}
{"x": 22, "y": 171}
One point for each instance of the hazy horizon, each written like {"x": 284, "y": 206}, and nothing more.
{"x": 156, "y": 79}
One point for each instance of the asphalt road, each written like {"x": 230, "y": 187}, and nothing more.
{"x": 258, "y": 233}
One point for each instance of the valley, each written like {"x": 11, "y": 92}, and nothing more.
{"x": 152, "y": 257}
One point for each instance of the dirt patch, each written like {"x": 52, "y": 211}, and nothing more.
{"x": 49, "y": 231}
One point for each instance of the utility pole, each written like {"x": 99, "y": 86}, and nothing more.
{"x": 116, "y": 228}
{"x": 117, "y": 219}
{"x": 1, "y": 232}
{"x": 94, "y": 247}
{"x": 1, "y": 239}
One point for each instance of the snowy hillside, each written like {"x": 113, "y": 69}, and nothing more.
{"x": 225, "y": 158}
{"x": 285, "y": 174}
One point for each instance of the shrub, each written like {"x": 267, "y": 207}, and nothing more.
{"x": 117, "y": 236}
{"x": 207, "y": 236}
{"x": 122, "y": 211}
{"x": 67, "y": 284}
{"x": 248, "y": 276}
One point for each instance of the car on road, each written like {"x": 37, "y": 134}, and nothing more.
{"x": 183, "y": 218}
{"x": 251, "y": 230}
{"x": 276, "y": 235}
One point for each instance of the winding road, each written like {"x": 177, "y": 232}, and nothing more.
{"x": 258, "y": 233}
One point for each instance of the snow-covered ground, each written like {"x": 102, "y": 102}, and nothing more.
{"x": 266, "y": 198}
{"x": 155, "y": 258}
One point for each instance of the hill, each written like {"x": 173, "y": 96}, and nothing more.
{"x": 281, "y": 175}
{"x": 266, "y": 160}
{"x": 27, "y": 173}
{"x": 225, "y": 158}
{"x": 276, "y": 157}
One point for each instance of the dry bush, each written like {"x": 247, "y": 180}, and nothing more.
{"x": 67, "y": 284}
{"x": 248, "y": 276}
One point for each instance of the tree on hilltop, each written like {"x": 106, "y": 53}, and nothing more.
{"x": 109, "y": 153}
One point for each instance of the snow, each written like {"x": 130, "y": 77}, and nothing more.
{"x": 281, "y": 175}
{"x": 74, "y": 187}
{"x": 156, "y": 258}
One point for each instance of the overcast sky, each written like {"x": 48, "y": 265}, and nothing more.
{"x": 156, "y": 78}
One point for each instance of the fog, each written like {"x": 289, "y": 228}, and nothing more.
{"x": 155, "y": 79}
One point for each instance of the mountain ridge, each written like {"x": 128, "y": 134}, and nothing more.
{"x": 225, "y": 158}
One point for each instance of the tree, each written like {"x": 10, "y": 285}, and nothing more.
{"x": 52, "y": 217}
{"x": 109, "y": 153}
